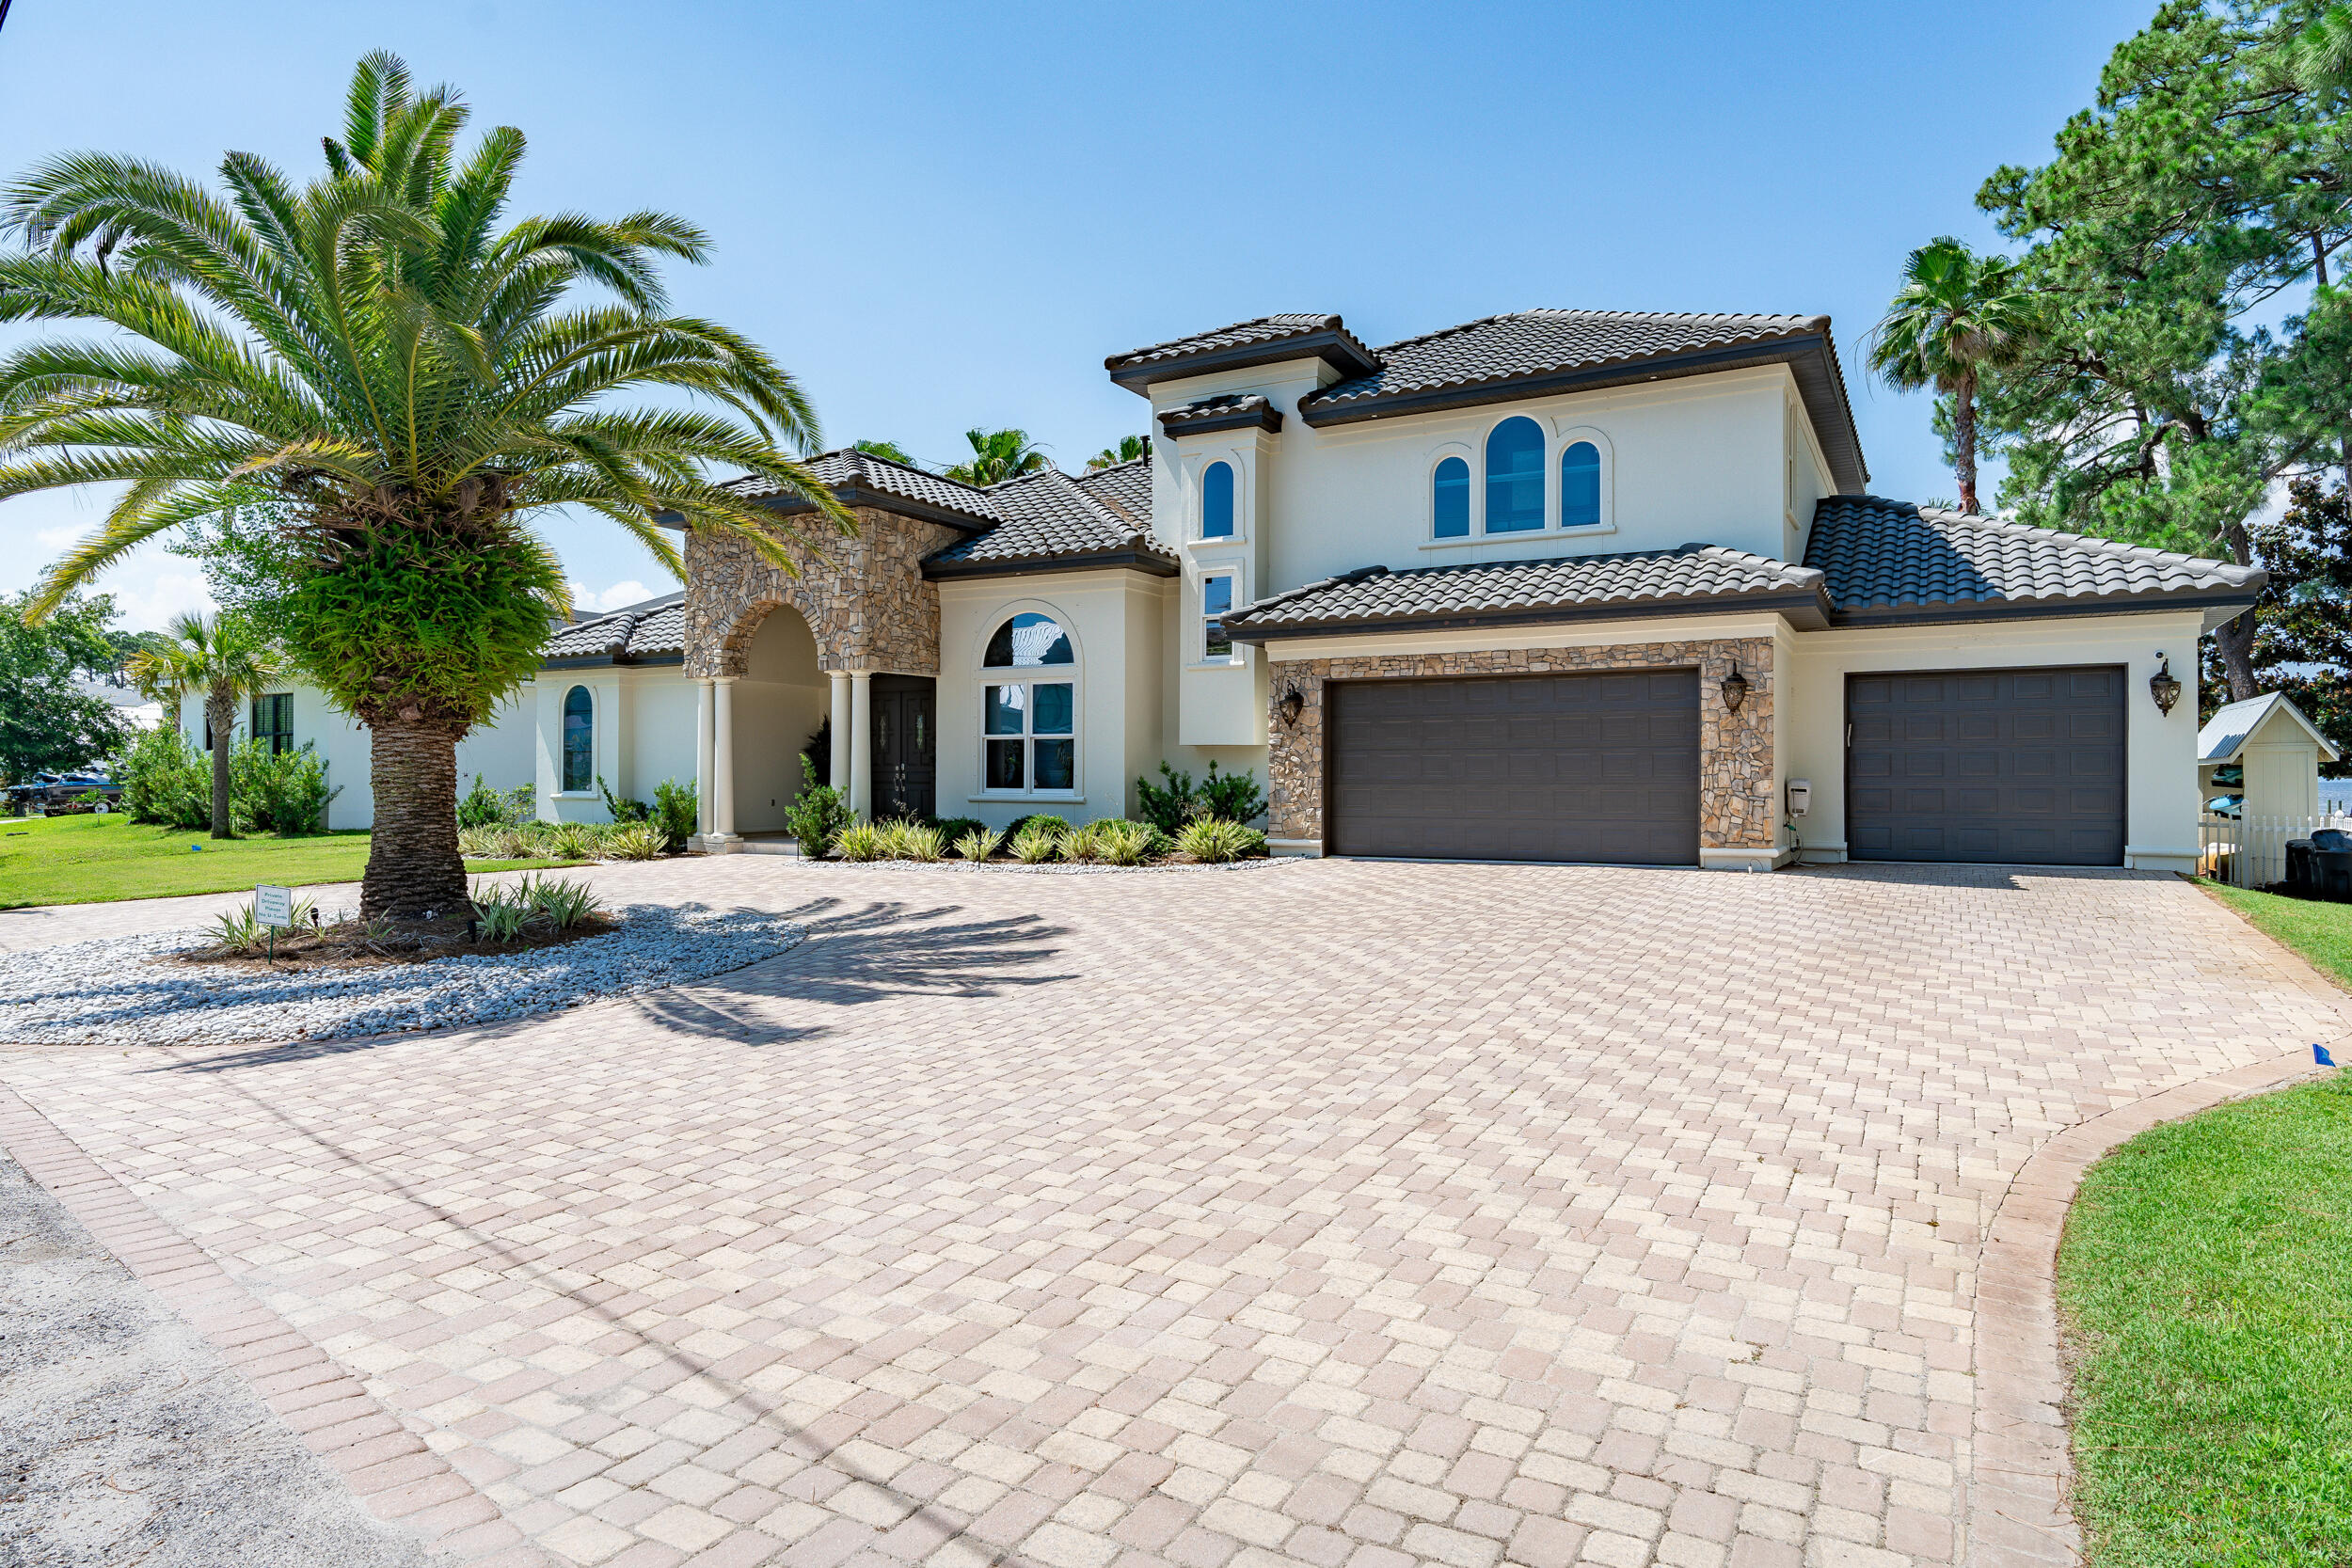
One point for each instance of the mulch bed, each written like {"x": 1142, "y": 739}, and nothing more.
{"x": 352, "y": 944}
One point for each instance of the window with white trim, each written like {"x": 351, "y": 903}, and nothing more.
{"x": 1216, "y": 502}
{"x": 1217, "y": 602}
{"x": 579, "y": 741}
{"x": 1029, "y": 727}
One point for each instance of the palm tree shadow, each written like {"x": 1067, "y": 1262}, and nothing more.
{"x": 851, "y": 956}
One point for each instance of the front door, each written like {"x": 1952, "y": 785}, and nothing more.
{"x": 906, "y": 750}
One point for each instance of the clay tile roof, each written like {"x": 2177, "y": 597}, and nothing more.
{"x": 1259, "y": 341}
{"x": 1225, "y": 411}
{"x": 1643, "y": 582}
{"x": 850, "y": 469}
{"x": 1050, "y": 517}
{"x": 1891, "y": 560}
{"x": 624, "y": 636}
{"x": 1124, "y": 487}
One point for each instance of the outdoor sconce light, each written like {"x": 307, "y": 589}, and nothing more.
{"x": 1735, "y": 689}
{"x": 2163, "y": 688}
{"x": 1290, "y": 705}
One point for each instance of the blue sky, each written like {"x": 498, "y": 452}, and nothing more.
{"x": 947, "y": 216}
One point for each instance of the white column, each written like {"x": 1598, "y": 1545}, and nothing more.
{"x": 862, "y": 742}
{"x": 706, "y": 737}
{"x": 837, "y": 766}
{"x": 723, "y": 759}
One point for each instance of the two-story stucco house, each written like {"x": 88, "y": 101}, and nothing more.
{"x": 1556, "y": 585}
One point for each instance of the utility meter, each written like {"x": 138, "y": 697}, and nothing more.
{"x": 1799, "y": 797}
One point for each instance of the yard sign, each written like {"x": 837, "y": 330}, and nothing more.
{"x": 273, "y": 906}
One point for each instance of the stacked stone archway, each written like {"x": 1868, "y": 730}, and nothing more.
{"x": 868, "y": 605}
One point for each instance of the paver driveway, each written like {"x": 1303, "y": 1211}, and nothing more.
{"x": 1332, "y": 1214}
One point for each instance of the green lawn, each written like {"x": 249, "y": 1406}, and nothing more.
{"x": 2205, "y": 1282}
{"x": 88, "y": 860}
{"x": 2320, "y": 931}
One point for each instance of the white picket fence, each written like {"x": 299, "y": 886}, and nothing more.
{"x": 2251, "y": 851}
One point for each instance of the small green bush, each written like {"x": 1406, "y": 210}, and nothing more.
{"x": 1020, "y": 825}
{"x": 818, "y": 814}
{"x": 1082, "y": 845}
{"x": 1124, "y": 843}
{"x": 1215, "y": 840}
{"x": 561, "y": 904}
{"x": 284, "y": 792}
{"x": 677, "y": 811}
{"x": 859, "y": 841}
{"x": 622, "y": 808}
{"x": 978, "y": 844}
{"x": 1233, "y": 797}
{"x": 891, "y": 839}
{"x": 496, "y": 842}
{"x": 920, "y": 841}
{"x": 635, "y": 840}
{"x": 1037, "y": 842}
{"x": 484, "y": 807}
{"x": 167, "y": 781}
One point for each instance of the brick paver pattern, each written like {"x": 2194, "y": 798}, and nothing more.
{"x": 1337, "y": 1213}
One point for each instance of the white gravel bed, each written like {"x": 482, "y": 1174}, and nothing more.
{"x": 113, "y": 991}
{"x": 1060, "y": 868}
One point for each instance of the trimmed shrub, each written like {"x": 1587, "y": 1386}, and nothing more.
{"x": 1214, "y": 840}
{"x": 1235, "y": 796}
{"x": 1020, "y": 825}
{"x": 484, "y": 807}
{"x": 676, "y": 811}
{"x": 1037, "y": 843}
{"x": 818, "y": 814}
{"x": 953, "y": 828}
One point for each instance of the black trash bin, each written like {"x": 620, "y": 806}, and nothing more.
{"x": 2301, "y": 878}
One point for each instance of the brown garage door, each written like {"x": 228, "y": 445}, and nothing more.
{"x": 2018, "y": 765}
{"x": 1519, "y": 768}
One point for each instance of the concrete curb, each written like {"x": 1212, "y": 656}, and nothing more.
{"x": 389, "y": 1468}
{"x": 2022, "y": 1461}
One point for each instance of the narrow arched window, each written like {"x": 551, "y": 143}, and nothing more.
{"x": 1580, "y": 485}
{"x": 1515, "y": 477}
{"x": 580, "y": 739}
{"x": 1028, "y": 728}
{"x": 1216, "y": 502}
{"x": 1449, "y": 500}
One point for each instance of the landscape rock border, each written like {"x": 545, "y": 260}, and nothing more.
{"x": 109, "y": 990}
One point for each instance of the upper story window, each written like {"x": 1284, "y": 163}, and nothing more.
{"x": 579, "y": 741}
{"x": 1217, "y": 602}
{"x": 1028, "y": 639}
{"x": 1216, "y": 502}
{"x": 273, "y": 722}
{"x": 1580, "y": 485}
{"x": 1449, "y": 500}
{"x": 1030, "y": 728}
{"x": 1514, "y": 476}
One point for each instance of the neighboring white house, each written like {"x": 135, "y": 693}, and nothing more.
{"x": 1556, "y": 585}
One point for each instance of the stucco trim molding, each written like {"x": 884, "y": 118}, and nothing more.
{"x": 1739, "y": 815}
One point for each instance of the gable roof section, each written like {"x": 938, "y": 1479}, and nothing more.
{"x": 1536, "y": 353}
{"x": 1053, "y": 523}
{"x": 1259, "y": 341}
{"x": 1642, "y": 583}
{"x": 1891, "y": 563}
{"x": 653, "y": 632}
{"x": 861, "y": 479}
{"x": 1124, "y": 487}
{"x": 1225, "y": 411}
{"x": 2233, "y": 724}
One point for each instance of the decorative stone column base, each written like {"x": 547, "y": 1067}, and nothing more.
{"x": 1311, "y": 848}
{"x": 715, "y": 844}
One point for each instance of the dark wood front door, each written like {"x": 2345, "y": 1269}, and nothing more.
{"x": 906, "y": 747}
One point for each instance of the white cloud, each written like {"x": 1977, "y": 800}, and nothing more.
{"x": 585, "y": 599}
{"x": 149, "y": 600}
{"x": 54, "y": 540}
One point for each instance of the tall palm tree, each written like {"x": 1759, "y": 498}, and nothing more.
{"x": 226, "y": 659}
{"x": 1129, "y": 449}
{"x": 998, "y": 455}
{"x": 395, "y": 379}
{"x": 1957, "y": 315}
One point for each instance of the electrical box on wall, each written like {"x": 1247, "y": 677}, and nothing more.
{"x": 1799, "y": 797}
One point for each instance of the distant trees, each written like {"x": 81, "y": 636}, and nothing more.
{"x": 1957, "y": 316}
{"x": 997, "y": 455}
{"x": 47, "y": 723}
{"x": 225, "y": 660}
{"x": 1129, "y": 449}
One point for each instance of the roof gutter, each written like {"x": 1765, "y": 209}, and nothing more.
{"x": 1806, "y": 612}
{"x": 1135, "y": 561}
{"x": 859, "y": 495}
{"x": 1338, "y": 349}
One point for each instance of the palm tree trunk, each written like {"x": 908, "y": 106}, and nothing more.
{"x": 413, "y": 864}
{"x": 221, "y": 712}
{"x": 1964, "y": 440}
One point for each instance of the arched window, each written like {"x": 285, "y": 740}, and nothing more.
{"x": 1449, "y": 500}
{"x": 1216, "y": 502}
{"x": 1580, "y": 485}
{"x": 580, "y": 739}
{"x": 1030, "y": 728}
{"x": 1514, "y": 476}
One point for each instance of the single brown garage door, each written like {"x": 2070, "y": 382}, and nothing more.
{"x": 2018, "y": 765}
{"x": 1519, "y": 768}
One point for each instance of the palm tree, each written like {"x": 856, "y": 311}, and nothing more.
{"x": 997, "y": 455}
{"x": 890, "y": 449}
{"x": 1957, "y": 315}
{"x": 395, "y": 379}
{"x": 1129, "y": 449}
{"x": 227, "y": 660}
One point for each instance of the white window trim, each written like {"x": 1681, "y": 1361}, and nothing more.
{"x": 1031, "y": 675}
{"x": 587, "y": 792}
{"x": 1196, "y": 495}
{"x": 1469, "y": 455}
{"x": 1561, "y": 440}
{"x": 1558, "y": 439}
{"x": 1197, "y": 645}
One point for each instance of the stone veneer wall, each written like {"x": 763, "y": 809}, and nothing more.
{"x": 1736, "y": 804}
{"x": 864, "y": 598}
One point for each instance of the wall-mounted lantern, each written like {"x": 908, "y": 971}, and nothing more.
{"x": 1290, "y": 705}
{"x": 1735, "y": 689}
{"x": 2163, "y": 687}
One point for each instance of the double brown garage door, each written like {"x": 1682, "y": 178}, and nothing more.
{"x": 1517, "y": 767}
{"x": 2006, "y": 766}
